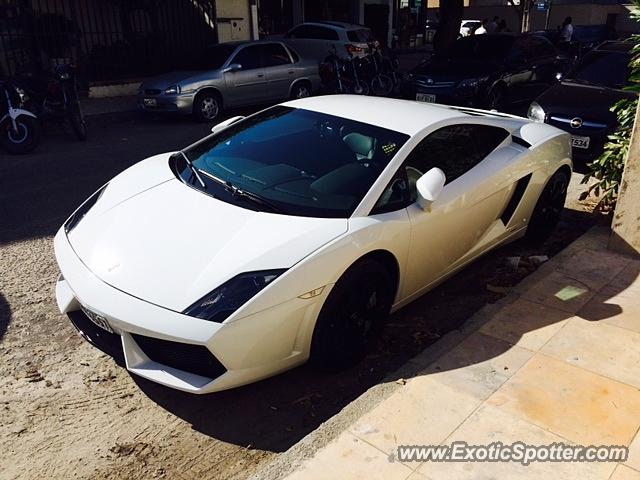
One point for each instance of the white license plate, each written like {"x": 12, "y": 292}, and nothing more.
{"x": 579, "y": 142}
{"x": 98, "y": 319}
{"x": 425, "y": 97}
{"x": 150, "y": 102}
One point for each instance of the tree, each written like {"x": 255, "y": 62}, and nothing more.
{"x": 449, "y": 28}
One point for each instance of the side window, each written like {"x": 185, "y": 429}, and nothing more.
{"x": 543, "y": 47}
{"x": 274, "y": 55}
{"x": 298, "y": 32}
{"x": 294, "y": 55}
{"x": 395, "y": 197}
{"x": 455, "y": 149}
{"x": 324, "y": 33}
{"x": 248, "y": 57}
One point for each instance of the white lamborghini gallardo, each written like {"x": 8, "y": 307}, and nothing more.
{"x": 290, "y": 235}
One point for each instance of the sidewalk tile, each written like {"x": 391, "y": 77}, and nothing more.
{"x": 625, "y": 473}
{"x": 621, "y": 310}
{"x": 593, "y": 268}
{"x": 489, "y": 424}
{"x": 581, "y": 406}
{"x": 625, "y": 283}
{"x": 634, "y": 453}
{"x": 423, "y": 412}
{"x": 559, "y": 291}
{"x": 478, "y": 365}
{"x": 526, "y": 324}
{"x": 349, "y": 458}
{"x": 606, "y": 350}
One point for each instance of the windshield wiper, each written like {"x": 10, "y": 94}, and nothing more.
{"x": 238, "y": 192}
{"x": 193, "y": 169}
{"x": 255, "y": 198}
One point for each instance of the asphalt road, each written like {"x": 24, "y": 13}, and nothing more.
{"x": 68, "y": 410}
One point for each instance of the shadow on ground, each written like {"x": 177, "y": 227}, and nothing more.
{"x": 5, "y": 315}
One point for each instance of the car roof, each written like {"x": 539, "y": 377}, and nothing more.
{"x": 404, "y": 116}
{"x": 613, "y": 46}
{"x": 336, "y": 25}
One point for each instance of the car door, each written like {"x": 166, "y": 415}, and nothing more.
{"x": 248, "y": 84}
{"x": 519, "y": 70}
{"x": 545, "y": 60}
{"x": 468, "y": 206}
{"x": 278, "y": 69}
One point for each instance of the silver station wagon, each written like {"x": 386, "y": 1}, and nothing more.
{"x": 234, "y": 75}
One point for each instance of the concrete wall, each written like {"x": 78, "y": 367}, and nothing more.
{"x": 234, "y": 20}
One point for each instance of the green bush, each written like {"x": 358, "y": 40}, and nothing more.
{"x": 607, "y": 169}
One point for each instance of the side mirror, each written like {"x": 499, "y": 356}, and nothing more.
{"x": 224, "y": 124}
{"x": 234, "y": 67}
{"x": 430, "y": 187}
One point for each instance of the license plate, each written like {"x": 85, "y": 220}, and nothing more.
{"x": 579, "y": 142}
{"x": 425, "y": 97}
{"x": 150, "y": 102}
{"x": 98, "y": 319}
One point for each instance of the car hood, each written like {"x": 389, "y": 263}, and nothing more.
{"x": 454, "y": 70}
{"x": 168, "y": 79}
{"x": 585, "y": 101}
{"x": 162, "y": 241}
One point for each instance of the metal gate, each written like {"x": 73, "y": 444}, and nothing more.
{"x": 108, "y": 40}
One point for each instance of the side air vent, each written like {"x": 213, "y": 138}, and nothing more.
{"x": 518, "y": 193}
{"x": 520, "y": 141}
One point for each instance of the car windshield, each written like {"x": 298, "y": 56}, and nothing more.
{"x": 610, "y": 69}
{"x": 214, "y": 57}
{"x": 481, "y": 47}
{"x": 291, "y": 161}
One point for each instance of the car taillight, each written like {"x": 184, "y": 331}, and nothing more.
{"x": 352, "y": 49}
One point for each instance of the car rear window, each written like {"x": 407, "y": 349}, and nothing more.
{"x": 361, "y": 35}
{"x": 314, "y": 32}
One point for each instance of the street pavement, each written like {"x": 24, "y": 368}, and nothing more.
{"x": 556, "y": 361}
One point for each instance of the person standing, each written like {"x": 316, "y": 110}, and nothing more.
{"x": 566, "y": 32}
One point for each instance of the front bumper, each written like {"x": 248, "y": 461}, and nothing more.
{"x": 245, "y": 350}
{"x": 182, "y": 104}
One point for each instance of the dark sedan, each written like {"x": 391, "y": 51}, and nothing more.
{"x": 581, "y": 102}
{"x": 487, "y": 71}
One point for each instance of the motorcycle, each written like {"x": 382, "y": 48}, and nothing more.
{"x": 340, "y": 75}
{"x": 55, "y": 96}
{"x": 19, "y": 128}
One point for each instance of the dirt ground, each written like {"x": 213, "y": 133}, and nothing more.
{"x": 69, "y": 411}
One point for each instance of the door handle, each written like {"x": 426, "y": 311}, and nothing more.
{"x": 291, "y": 72}
{"x": 260, "y": 75}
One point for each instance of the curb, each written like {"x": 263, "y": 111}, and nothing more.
{"x": 292, "y": 459}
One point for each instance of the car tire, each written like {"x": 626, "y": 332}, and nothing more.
{"x": 300, "y": 90}
{"x": 352, "y": 316}
{"x": 207, "y": 106}
{"x": 548, "y": 209}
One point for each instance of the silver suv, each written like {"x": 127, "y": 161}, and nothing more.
{"x": 316, "y": 39}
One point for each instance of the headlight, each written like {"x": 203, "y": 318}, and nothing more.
{"x": 172, "y": 90}
{"x": 80, "y": 213}
{"x": 536, "y": 112}
{"x": 228, "y": 297}
{"x": 472, "y": 82}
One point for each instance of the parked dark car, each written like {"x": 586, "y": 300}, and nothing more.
{"x": 580, "y": 103}
{"x": 487, "y": 71}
